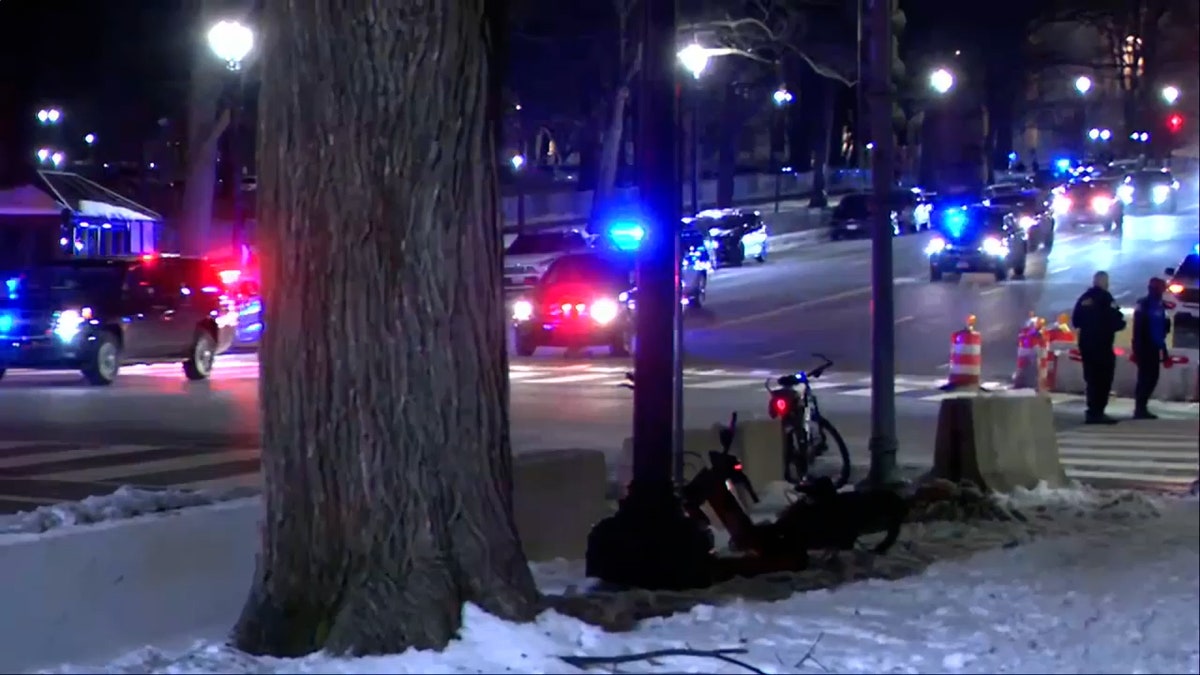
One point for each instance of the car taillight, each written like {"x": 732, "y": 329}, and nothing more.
{"x": 778, "y": 407}
{"x": 1175, "y": 289}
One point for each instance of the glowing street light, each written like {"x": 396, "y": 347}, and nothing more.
{"x": 231, "y": 41}
{"x": 1083, "y": 84}
{"x": 782, "y": 96}
{"x": 43, "y": 155}
{"x": 695, "y": 59}
{"x": 57, "y": 159}
{"x": 49, "y": 115}
{"x": 941, "y": 80}
{"x": 90, "y": 139}
{"x": 1170, "y": 94}
{"x": 518, "y": 161}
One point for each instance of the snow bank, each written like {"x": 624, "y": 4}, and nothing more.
{"x": 125, "y": 502}
{"x": 1111, "y": 586}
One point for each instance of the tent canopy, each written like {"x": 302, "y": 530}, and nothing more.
{"x": 51, "y": 192}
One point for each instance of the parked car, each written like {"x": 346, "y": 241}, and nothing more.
{"x": 531, "y": 253}
{"x": 735, "y": 235}
{"x": 852, "y": 218}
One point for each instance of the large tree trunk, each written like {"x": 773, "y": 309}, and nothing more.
{"x": 727, "y": 148}
{"x": 822, "y": 140}
{"x": 384, "y": 384}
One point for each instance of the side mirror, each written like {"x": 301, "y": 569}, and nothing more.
{"x": 1170, "y": 271}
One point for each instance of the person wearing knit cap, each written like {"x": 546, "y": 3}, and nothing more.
{"x": 1150, "y": 328}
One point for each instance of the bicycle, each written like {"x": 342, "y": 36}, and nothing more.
{"x": 806, "y": 433}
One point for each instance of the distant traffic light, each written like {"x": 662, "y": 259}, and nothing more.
{"x": 1175, "y": 123}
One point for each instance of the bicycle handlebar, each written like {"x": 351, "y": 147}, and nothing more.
{"x": 793, "y": 379}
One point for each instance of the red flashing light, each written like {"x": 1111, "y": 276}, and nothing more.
{"x": 1175, "y": 122}
{"x": 148, "y": 257}
{"x": 230, "y": 277}
{"x": 737, "y": 467}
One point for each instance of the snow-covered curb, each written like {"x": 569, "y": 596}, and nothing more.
{"x": 125, "y": 502}
{"x": 779, "y": 617}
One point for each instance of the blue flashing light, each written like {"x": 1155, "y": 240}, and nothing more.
{"x": 1062, "y": 164}
{"x": 11, "y": 285}
{"x": 955, "y": 221}
{"x": 627, "y": 236}
{"x": 6, "y": 324}
{"x": 1196, "y": 249}
{"x": 1012, "y": 156}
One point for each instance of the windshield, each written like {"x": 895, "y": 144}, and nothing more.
{"x": 1014, "y": 199}
{"x": 1088, "y": 188}
{"x": 1189, "y": 268}
{"x": 588, "y": 269}
{"x": 64, "y": 279}
{"x": 546, "y": 242}
{"x": 853, "y": 206}
{"x": 1151, "y": 178}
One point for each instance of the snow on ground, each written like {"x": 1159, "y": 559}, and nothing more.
{"x": 125, "y": 502}
{"x": 1072, "y": 581}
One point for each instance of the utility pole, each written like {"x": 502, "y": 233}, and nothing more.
{"x": 883, "y": 311}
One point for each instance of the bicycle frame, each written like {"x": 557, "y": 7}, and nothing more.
{"x": 797, "y": 411}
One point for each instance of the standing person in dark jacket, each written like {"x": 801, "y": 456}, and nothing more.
{"x": 1098, "y": 320}
{"x": 1150, "y": 329}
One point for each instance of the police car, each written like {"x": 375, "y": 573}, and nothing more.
{"x": 977, "y": 238}
{"x": 1183, "y": 290}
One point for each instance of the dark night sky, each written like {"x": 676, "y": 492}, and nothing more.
{"x": 116, "y": 65}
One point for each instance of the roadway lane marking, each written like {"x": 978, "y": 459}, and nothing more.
{"x": 1075, "y": 460}
{"x": 992, "y": 291}
{"x": 127, "y": 471}
{"x": 777, "y": 355}
{"x": 866, "y": 392}
{"x": 1059, "y": 269}
{"x": 586, "y": 377}
{"x": 51, "y": 457}
{"x": 790, "y": 308}
{"x": 905, "y": 319}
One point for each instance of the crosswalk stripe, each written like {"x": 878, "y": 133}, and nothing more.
{"x": 586, "y": 377}
{"x": 183, "y": 462}
{"x": 1131, "y": 463}
{"x": 1069, "y": 450}
{"x": 722, "y": 384}
{"x": 1128, "y": 442}
{"x": 1132, "y": 477}
{"x": 865, "y": 392}
{"x": 71, "y": 455}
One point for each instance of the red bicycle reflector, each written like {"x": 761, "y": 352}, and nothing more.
{"x": 737, "y": 467}
{"x": 779, "y": 406}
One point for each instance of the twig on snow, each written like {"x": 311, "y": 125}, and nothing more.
{"x": 584, "y": 662}
{"x": 808, "y": 655}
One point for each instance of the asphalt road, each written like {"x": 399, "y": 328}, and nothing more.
{"x": 61, "y": 440}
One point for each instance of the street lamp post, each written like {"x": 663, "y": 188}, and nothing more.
{"x": 782, "y": 98}
{"x": 695, "y": 60}
{"x": 232, "y": 42}
{"x": 518, "y": 163}
{"x": 1083, "y": 85}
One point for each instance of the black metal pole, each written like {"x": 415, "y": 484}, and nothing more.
{"x": 860, "y": 99}
{"x": 234, "y": 149}
{"x": 520, "y": 202}
{"x": 694, "y": 108}
{"x": 774, "y": 159}
{"x": 883, "y": 320}
{"x": 657, "y": 266}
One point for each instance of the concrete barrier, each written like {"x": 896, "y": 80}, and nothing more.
{"x": 758, "y": 443}
{"x": 86, "y": 594}
{"x": 998, "y": 442}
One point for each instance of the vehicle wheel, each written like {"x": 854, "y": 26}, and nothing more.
{"x": 2, "y": 373}
{"x": 762, "y": 254}
{"x": 622, "y": 345}
{"x": 104, "y": 362}
{"x": 199, "y": 364}
{"x": 741, "y": 255}
{"x": 696, "y": 300}
{"x": 1002, "y": 274}
{"x": 935, "y": 274}
{"x": 526, "y": 346}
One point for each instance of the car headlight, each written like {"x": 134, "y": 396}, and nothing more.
{"x": 717, "y": 231}
{"x": 69, "y": 322}
{"x": 993, "y": 246}
{"x": 1101, "y": 205}
{"x": 1062, "y": 204}
{"x": 522, "y": 310}
{"x": 1160, "y": 194}
{"x": 936, "y": 245}
{"x": 1125, "y": 193}
{"x": 605, "y": 311}
{"x": 1027, "y": 222}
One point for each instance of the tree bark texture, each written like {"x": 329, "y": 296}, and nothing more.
{"x": 384, "y": 382}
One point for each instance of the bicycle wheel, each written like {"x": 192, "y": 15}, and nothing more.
{"x": 795, "y": 456}
{"x": 828, "y": 434}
